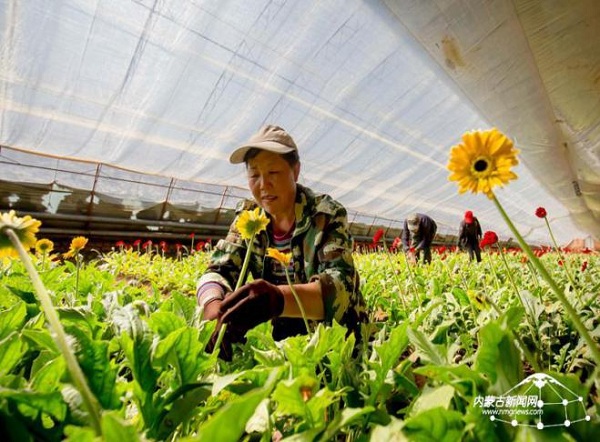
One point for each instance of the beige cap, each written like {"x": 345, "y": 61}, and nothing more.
{"x": 413, "y": 222}
{"x": 269, "y": 137}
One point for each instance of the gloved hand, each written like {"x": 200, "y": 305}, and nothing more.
{"x": 244, "y": 309}
{"x": 252, "y": 304}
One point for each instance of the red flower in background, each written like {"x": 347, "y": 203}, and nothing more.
{"x": 147, "y": 244}
{"x": 120, "y": 244}
{"x": 137, "y": 242}
{"x": 397, "y": 243}
{"x": 163, "y": 246}
{"x": 378, "y": 235}
{"x": 200, "y": 246}
{"x": 540, "y": 212}
{"x": 489, "y": 239}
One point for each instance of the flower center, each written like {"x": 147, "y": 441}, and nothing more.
{"x": 480, "y": 165}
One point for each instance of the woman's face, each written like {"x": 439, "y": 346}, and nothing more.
{"x": 272, "y": 182}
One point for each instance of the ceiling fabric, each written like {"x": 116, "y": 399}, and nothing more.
{"x": 374, "y": 93}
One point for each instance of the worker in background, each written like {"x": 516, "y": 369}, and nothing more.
{"x": 417, "y": 235}
{"x": 469, "y": 235}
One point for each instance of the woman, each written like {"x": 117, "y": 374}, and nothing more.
{"x": 314, "y": 228}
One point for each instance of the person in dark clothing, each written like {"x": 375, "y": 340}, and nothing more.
{"x": 418, "y": 233}
{"x": 469, "y": 235}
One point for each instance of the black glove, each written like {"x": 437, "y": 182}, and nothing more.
{"x": 244, "y": 309}
{"x": 252, "y": 304}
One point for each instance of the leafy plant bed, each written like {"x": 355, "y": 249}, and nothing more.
{"x": 446, "y": 349}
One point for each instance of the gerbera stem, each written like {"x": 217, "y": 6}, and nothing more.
{"x": 297, "y": 298}
{"x": 77, "y": 267}
{"x": 59, "y": 335}
{"x": 242, "y": 277}
{"x": 583, "y": 331}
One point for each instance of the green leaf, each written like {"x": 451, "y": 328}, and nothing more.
{"x": 183, "y": 350}
{"x": 11, "y": 353}
{"x": 391, "y": 432}
{"x": 480, "y": 428}
{"x": 12, "y": 319}
{"x": 79, "y": 434}
{"x": 463, "y": 379}
{"x": 114, "y": 429}
{"x": 461, "y": 296}
{"x": 28, "y": 296}
{"x": 289, "y": 396}
{"x": 325, "y": 340}
{"x": 183, "y": 404}
{"x": 184, "y": 306}
{"x": 40, "y": 340}
{"x": 48, "y": 377}
{"x": 346, "y": 418}
{"x": 49, "y": 403}
{"x": 498, "y": 358}
{"x": 164, "y": 322}
{"x": 425, "y": 349}
{"x": 435, "y": 424}
{"x": 229, "y": 422}
{"x": 389, "y": 352}
{"x": 137, "y": 352}
{"x": 432, "y": 398}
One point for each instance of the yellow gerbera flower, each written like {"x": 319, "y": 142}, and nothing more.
{"x": 44, "y": 246}
{"x": 77, "y": 245}
{"x": 482, "y": 161}
{"x": 251, "y": 222}
{"x": 283, "y": 258}
{"x": 25, "y": 228}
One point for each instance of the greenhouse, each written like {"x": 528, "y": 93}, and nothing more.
{"x": 406, "y": 247}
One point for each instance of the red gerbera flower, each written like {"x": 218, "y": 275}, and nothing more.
{"x": 540, "y": 212}
{"x": 489, "y": 239}
{"x": 378, "y": 235}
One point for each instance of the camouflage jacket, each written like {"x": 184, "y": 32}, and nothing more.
{"x": 321, "y": 250}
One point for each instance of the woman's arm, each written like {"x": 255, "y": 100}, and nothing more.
{"x": 310, "y": 296}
